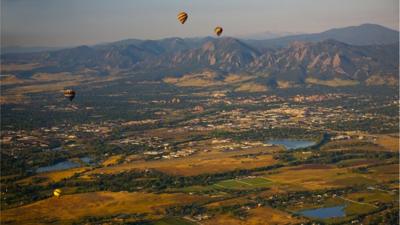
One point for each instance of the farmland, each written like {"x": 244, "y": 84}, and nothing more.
{"x": 196, "y": 158}
{"x": 71, "y": 207}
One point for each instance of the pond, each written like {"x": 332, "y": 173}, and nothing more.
{"x": 65, "y": 165}
{"x": 58, "y": 166}
{"x": 87, "y": 160}
{"x": 57, "y": 149}
{"x": 324, "y": 213}
{"x": 290, "y": 144}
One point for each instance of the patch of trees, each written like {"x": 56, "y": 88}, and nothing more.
{"x": 183, "y": 210}
{"x": 373, "y": 126}
{"x": 121, "y": 218}
{"x": 16, "y": 194}
{"x": 332, "y": 157}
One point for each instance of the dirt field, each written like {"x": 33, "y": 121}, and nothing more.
{"x": 73, "y": 207}
{"x": 314, "y": 179}
{"x": 251, "y": 87}
{"x": 18, "y": 67}
{"x": 212, "y": 162}
{"x": 258, "y": 216}
{"x": 111, "y": 160}
{"x": 46, "y": 82}
{"x": 386, "y": 172}
{"x": 389, "y": 142}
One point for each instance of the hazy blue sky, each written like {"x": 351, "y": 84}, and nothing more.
{"x": 75, "y": 22}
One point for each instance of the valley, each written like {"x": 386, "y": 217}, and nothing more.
{"x": 202, "y": 155}
{"x": 203, "y": 131}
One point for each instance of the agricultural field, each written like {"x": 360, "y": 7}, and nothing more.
{"x": 210, "y": 162}
{"x": 246, "y": 183}
{"x": 195, "y": 157}
{"x": 55, "y": 176}
{"x": 389, "y": 142}
{"x": 316, "y": 178}
{"x": 257, "y": 216}
{"x": 96, "y": 204}
{"x": 173, "y": 221}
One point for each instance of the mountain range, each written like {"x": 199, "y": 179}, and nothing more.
{"x": 373, "y": 59}
{"x": 365, "y": 34}
{"x": 266, "y": 35}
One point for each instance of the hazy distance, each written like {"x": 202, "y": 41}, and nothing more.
{"x": 76, "y": 22}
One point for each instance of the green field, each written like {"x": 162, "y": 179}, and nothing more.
{"x": 173, "y": 221}
{"x": 235, "y": 184}
{"x": 246, "y": 183}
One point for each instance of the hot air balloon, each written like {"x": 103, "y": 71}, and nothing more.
{"x": 182, "y": 17}
{"x": 70, "y": 94}
{"x": 218, "y": 30}
{"x": 57, "y": 192}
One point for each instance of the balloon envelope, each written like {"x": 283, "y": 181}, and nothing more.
{"x": 57, "y": 193}
{"x": 218, "y": 31}
{"x": 182, "y": 17}
{"x": 70, "y": 94}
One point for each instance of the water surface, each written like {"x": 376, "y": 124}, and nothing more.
{"x": 87, "y": 160}
{"x": 58, "y": 166}
{"x": 324, "y": 213}
{"x": 290, "y": 144}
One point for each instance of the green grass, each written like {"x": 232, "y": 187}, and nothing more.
{"x": 234, "y": 184}
{"x": 371, "y": 197}
{"x": 353, "y": 209}
{"x": 246, "y": 183}
{"x": 239, "y": 184}
{"x": 352, "y": 181}
{"x": 173, "y": 221}
{"x": 350, "y": 162}
{"x": 195, "y": 189}
{"x": 257, "y": 182}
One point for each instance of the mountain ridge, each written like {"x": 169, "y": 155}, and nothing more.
{"x": 297, "y": 62}
{"x": 364, "y": 34}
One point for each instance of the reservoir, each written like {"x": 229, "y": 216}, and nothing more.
{"x": 58, "y": 166}
{"x": 66, "y": 165}
{"x": 324, "y": 213}
{"x": 290, "y": 144}
{"x": 86, "y": 159}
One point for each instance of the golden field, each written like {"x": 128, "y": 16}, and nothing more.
{"x": 72, "y": 207}
{"x": 257, "y": 216}
{"x": 212, "y": 162}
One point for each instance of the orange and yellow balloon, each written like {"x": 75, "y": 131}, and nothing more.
{"x": 218, "y": 31}
{"x": 57, "y": 193}
{"x": 182, "y": 17}
{"x": 70, "y": 94}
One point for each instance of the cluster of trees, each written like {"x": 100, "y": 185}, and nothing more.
{"x": 14, "y": 194}
{"x": 331, "y": 157}
{"x": 184, "y": 210}
{"x": 391, "y": 216}
{"x": 139, "y": 219}
{"x": 373, "y": 126}
{"x": 291, "y": 198}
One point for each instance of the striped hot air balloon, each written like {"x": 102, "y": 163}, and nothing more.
{"x": 218, "y": 31}
{"x": 70, "y": 94}
{"x": 182, "y": 17}
{"x": 57, "y": 193}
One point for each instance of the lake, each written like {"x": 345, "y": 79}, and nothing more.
{"x": 64, "y": 165}
{"x": 87, "y": 160}
{"x": 290, "y": 144}
{"x": 324, "y": 213}
{"x": 58, "y": 166}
